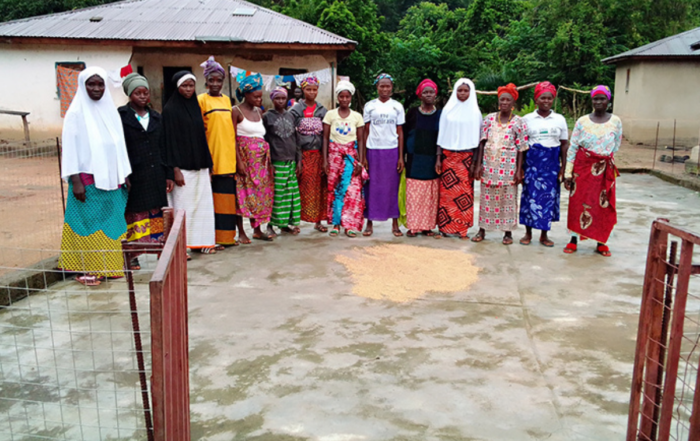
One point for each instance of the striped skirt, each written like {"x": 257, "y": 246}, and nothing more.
{"x": 196, "y": 199}
{"x": 223, "y": 188}
{"x": 286, "y": 206}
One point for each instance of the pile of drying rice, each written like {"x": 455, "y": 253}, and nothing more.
{"x": 402, "y": 273}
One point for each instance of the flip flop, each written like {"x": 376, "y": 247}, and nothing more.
{"x": 351, "y": 233}
{"x": 334, "y": 232}
{"x": 410, "y": 233}
{"x": 88, "y": 280}
{"x": 547, "y": 243}
{"x": 134, "y": 265}
{"x": 209, "y": 250}
{"x": 264, "y": 237}
{"x": 570, "y": 248}
{"x": 507, "y": 240}
{"x": 367, "y": 233}
{"x": 603, "y": 250}
{"x": 320, "y": 228}
{"x": 219, "y": 247}
{"x": 525, "y": 241}
{"x": 397, "y": 233}
{"x": 478, "y": 238}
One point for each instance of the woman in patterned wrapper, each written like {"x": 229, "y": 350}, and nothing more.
{"x": 95, "y": 163}
{"x": 285, "y": 155}
{"x": 501, "y": 150}
{"x": 590, "y": 174}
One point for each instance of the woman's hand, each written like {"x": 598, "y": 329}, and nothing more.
{"x": 128, "y": 184}
{"x": 169, "y": 185}
{"x": 179, "y": 177}
{"x": 438, "y": 166}
{"x": 79, "y": 191}
{"x": 399, "y": 165}
{"x": 300, "y": 168}
{"x": 477, "y": 172}
{"x": 357, "y": 168}
{"x": 240, "y": 170}
{"x": 518, "y": 178}
{"x": 326, "y": 168}
{"x": 568, "y": 183}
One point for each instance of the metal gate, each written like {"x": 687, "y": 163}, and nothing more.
{"x": 664, "y": 404}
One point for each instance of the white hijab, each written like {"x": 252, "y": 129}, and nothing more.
{"x": 93, "y": 137}
{"x": 461, "y": 121}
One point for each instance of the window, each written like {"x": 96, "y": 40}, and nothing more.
{"x": 627, "y": 83}
{"x": 77, "y": 66}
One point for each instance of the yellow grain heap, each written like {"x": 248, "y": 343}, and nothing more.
{"x": 403, "y": 273}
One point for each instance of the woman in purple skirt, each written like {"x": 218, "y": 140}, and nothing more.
{"x": 384, "y": 118}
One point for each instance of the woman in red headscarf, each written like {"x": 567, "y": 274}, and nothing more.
{"x": 544, "y": 165}
{"x": 422, "y": 181}
{"x": 503, "y": 144}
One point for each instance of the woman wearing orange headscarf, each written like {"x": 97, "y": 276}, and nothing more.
{"x": 503, "y": 143}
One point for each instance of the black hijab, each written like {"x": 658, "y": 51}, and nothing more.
{"x": 184, "y": 135}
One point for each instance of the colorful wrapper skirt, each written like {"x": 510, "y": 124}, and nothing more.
{"x": 592, "y": 204}
{"x": 382, "y": 189}
{"x": 456, "y": 207}
{"x": 539, "y": 202}
{"x": 345, "y": 203}
{"x": 286, "y": 207}
{"x": 498, "y": 207}
{"x": 255, "y": 190}
{"x": 422, "y": 198}
{"x": 145, "y": 226}
{"x": 196, "y": 199}
{"x": 312, "y": 187}
{"x": 223, "y": 189}
{"x": 93, "y": 231}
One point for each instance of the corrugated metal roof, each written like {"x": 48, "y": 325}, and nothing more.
{"x": 674, "y": 46}
{"x": 173, "y": 20}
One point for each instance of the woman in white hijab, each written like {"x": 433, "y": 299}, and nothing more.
{"x": 458, "y": 139}
{"x": 95, "y": 164}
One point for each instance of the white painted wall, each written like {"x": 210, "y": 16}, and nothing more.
{"x": 28, "y": 78}
{"x": 657, "y": 93}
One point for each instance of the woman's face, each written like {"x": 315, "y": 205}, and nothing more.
{"x": 344, "y": 99}
{"x": 280, "y": 102}
{"x": 600, "y": 103}
{"x": 385, "y": 88}
{"x": 545, "y": 101}
{"x": 427, "y": 96}
{"x": 254, "y": 98}
{"x": 463, "y": 92}
{"x": 95, "y": 87}
{"x": 310, "y": 93}
{"x": 298, "y": 94}
{"x": 505, "y": 102}
{"x": 186, "y": 89}
{"x": 215, "y": 82}
{"x": 140, "y": 97}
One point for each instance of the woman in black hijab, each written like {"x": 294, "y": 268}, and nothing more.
{"x": 188, "y": 154}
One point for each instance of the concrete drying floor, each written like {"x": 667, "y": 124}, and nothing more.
{"x": 539, "y": 348}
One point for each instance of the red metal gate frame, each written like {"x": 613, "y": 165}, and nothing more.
{"x": 657, "y": 355}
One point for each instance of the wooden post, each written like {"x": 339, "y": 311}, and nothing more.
{"x": 656, "y": 144}
{"x": 26, "y": 129}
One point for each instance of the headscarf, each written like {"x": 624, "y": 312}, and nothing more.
{"x": 184, "y": 77}
{"x": 183, "y": 131}
{"x": 211, "y": 66}
{"x": 311, "y": 80}
{"x": 460, "y": 121}
{"x": 545, "y": 87}
{"x": 93, "y": 137}
{"x": 251, "y": 83}
{"x": 132, "y": 82}
{"x": 426, "y": 83}
{"x": 279, "y": 91}
{"x": 383, "y": 76}
{"x": 344, "y": 85}
{"x": 605, "y": 90}
{"x": 510, "y": 89}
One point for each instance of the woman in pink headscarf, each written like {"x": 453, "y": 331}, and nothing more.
{"x": 422, "y": 180}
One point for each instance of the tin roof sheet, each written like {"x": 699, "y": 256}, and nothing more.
{"x": 675, "y": 46}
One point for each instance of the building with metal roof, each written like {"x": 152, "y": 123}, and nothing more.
{"x": 658, "y": 85}
{"x": 157, "y": 37}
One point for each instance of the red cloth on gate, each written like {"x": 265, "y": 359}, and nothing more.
{"x": 592, "y": 211}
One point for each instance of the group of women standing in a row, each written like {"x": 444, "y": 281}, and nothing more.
{"x": 221, "y": 163}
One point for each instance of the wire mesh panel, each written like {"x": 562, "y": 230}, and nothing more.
{"x": 667, "y": 358}
{"x": 68, "y": 362}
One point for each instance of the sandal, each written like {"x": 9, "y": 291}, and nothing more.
{"x": 547, "y": 243}
{"x": 478, "y": 238}
{"x": 293, "y": 231}
{"x": 525, "y": 241}
{"x": 603, "y": 250}
{"x": 368, "y": 232}
{"x": 263, "y": 236}
{"x": 334, "y": 232}
{"x": 134, "y": 265}
{"x": 219, "y": 247}
{"x": 570, "y": 248}
{"x": 88, "y": 280}
{"x": 428, "y": 233}
{"x": 208, "y": 250}
{"x": 397, "y": 233}
{"x": 189, "y": 257}
{"x": 507, "y": 240}
{"x": 410, "y": 233}
{"x": 320, "y": 228}
{"x": 351, "y": 233}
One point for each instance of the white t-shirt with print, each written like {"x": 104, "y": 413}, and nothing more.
{"x": 383, "y": 119}
{"x": 548, "y": 131}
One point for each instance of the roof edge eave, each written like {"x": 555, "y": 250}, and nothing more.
{"x": 619, "y": 58}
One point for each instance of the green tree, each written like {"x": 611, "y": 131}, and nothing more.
{"x": 16, "y": 9}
